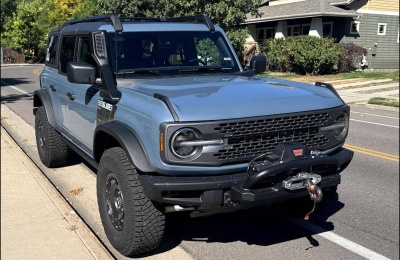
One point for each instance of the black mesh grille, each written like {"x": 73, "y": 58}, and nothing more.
{"x": 273, "y": 124}
{"x": 250, "y": 138}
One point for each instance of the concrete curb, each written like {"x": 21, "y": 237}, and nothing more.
{"x": 92, "y": 244}
{"x": 73, "y": 176}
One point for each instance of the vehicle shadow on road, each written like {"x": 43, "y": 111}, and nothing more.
{"x": 261, "y": 226}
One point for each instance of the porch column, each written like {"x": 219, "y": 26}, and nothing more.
{"x": 252, "y": 34}
{"x": 316, "y": 27}
{"x": 281, "y": 29}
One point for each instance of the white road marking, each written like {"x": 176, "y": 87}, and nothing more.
{"x": 374, "y": 115}
{"x": 341, "y": 241}
{"x": 373, "y": 123}
{"x": 17, "y": 89}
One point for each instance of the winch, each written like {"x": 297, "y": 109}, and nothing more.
{"x": 286, "y": 154}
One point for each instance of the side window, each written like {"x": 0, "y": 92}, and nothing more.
{"x": 51, "y": 54}
{"x": 67, "y": 52}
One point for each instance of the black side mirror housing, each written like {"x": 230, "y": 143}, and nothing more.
{"x": 258, "y": 64}
{"x": 81, "y": 72}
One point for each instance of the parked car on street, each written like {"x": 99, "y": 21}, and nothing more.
{"x": 169, "y": 131}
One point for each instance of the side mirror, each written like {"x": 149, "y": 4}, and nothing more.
{"x": 81, "y": 72}
{"x": 258, "y": 64}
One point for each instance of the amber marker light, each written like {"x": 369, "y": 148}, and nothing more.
{"x": 161, "y": 141}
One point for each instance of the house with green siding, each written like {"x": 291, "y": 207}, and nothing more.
{"x": 372, "y": 24}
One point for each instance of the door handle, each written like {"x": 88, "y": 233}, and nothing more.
{"x": 52, "y": 87}
{"x": 71, "y": 95}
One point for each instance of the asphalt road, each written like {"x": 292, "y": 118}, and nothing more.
{"x": 363, "y": 223}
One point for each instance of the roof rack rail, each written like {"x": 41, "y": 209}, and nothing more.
{"x": 113, "y": 18}
{"x": 116, "y": 21}
{"x": 198, "y": 17}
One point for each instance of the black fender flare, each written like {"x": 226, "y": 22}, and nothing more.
{"x": 128, "y": 140}
{"x": 42, "y": 98}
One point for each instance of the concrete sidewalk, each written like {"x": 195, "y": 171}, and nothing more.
{"x": 36, "y": 222}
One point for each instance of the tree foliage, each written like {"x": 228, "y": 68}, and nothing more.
{"x": 26, "y": 24}
{"x": 226, "y": 13}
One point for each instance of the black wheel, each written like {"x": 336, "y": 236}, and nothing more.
{"x": 53, "y": 152}
{"x": 299, "y": 207}
{"x": 131, "y": 221}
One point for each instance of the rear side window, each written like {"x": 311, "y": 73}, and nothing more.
{"x": 66, "y": 52}
{"x": 51, "y": 55}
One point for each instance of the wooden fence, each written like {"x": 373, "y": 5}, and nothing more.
{"x": 11, "y": 56}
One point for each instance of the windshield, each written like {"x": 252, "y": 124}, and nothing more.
{"x": 171, "y": 53}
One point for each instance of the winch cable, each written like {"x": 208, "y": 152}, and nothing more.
{"x": 316, "y": 196}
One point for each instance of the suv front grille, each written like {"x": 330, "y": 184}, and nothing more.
{"x": 273, "y": 124}
{"x": 251, "y": 138}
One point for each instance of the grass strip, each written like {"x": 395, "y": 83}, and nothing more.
{"x": 384, "y": 102}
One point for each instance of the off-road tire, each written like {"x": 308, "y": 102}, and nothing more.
{"x": 299, "y": 207}
{"x": 53, "y": 152}
{"x": 142, "y": 226}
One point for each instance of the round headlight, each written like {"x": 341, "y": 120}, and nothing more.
{"x": 342, "y": 119}
{"x": 180, "y": 143}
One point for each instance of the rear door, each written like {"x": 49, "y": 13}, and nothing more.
{"x": 50, "y": 77}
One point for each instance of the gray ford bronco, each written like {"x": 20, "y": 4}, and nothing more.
{"x": 171, "y": 121}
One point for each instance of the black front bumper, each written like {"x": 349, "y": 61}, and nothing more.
{"x": 207, "y": 192}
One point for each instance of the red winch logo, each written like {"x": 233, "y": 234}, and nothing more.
{"x": 298, "y": 152}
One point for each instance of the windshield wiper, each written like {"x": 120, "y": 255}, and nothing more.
{"x": 142, "y": 71}
{"x": 205, "y": 69}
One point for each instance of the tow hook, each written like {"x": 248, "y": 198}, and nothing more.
{"x": 314, "y": 191}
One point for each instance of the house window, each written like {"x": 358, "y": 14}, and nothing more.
{"x": 327, "y": 29}
{"x": 265, "y": 33}
{"x": 305, "y": 29}
{"x": 355, "y": 27}
{"x": 270, "y": 33}
{"x": 260, "y": 35}
{"x": 381, "y": 28}
{"x": 294, "y": 30}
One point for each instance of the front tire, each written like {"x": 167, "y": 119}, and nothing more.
{"x": 131, "y": 221}
{"x": 53, "y": 152}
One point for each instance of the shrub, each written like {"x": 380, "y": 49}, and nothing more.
{"x": 350, "y": 56}
{"x": 301, "y": 54}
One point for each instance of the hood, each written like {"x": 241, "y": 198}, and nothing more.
{"x": 216, "y": 97}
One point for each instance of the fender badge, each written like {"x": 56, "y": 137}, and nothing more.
{"x": 298, "y": 152}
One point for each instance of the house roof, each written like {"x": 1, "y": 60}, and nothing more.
{"x": 301, "y": 9}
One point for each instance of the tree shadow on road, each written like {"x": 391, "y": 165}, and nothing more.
{"x": 15, "y": 81}
{"x": 13, "y": 98}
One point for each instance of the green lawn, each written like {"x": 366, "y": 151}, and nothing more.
{"x": 394, "y": 75}
{"x": 384, "y": 102}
